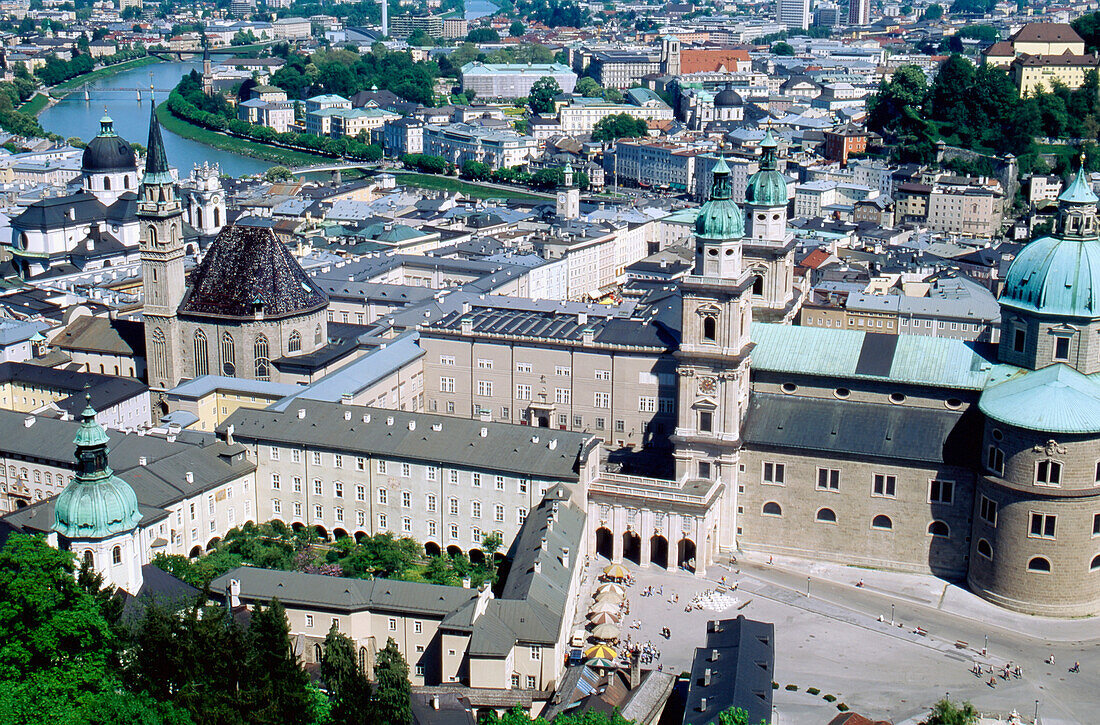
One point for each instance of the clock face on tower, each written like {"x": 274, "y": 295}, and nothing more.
{"x": 707, "y": 385}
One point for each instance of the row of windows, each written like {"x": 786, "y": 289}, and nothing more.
{"x": 431, "y": 473}
{"x": 1059, "y": 353}
{"x": 882, "y": 484}
{"x": 406, "y": 521}
{"x": 564, "y": 371}
{"x": 883, "y": 522}
{"x": 895, "y": 398}
{"x": 260, "y": 352}
{"x": 1047, "y": 472}
{"x": 1038, "y": 564}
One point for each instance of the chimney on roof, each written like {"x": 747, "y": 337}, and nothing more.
{"x": 229, "y": 435}
{"x": 389, "y": 420}
{"x": 28, "y": 421}
{"x": 143, "y": 461}
{"x": 484, "y": 431}
{"x": 582, "y": 318}
{"x": 301, "y": 413}
{"x": 190, "y": 476}
{"x": 635, "y": 672}
{"x": 552, "y": 444}
{"x": 702, "y": 704}
{"x": 347, "y": 415}
{"x": 714, "y": 655}
{"x": 412, "y": 425}
{"x": 366, "y": 417}
{"x": 565, "y": 556}
{"x": 435, "y": 702}
{"x": 233, "y": 592}
{"x": 538, "y": 566}
{"x": 346, "y": 398}
{"x": 706, "y": 677}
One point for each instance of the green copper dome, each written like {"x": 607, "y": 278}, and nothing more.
{"x": 720, "y": 217}
{"x": 96, "y": 504}
{"x": 1060, "y": 275}
{"x": 767, "y": 187}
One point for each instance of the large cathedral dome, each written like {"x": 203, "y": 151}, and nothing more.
{"x": 108, "y": 151}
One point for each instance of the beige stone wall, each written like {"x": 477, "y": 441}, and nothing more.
{"x": 1041, "y": 334}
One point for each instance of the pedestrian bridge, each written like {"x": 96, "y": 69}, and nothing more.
{"x": 334, "y": 166}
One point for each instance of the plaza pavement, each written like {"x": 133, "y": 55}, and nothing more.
{"x": 834, "y": 640}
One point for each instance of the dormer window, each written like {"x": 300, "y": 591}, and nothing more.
{"x": 1061, "y": 348}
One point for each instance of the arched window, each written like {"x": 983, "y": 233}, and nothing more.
{"x": 882, "y": 522}
{"x": 259, "y": 353}
{"x": 771, "y": 508}
{"x": 826, "y": 515}
{"x": 202, "y": 354}
{"x": 1095, "y": 565}
{"x": 317, "y": 652}
{"x": 116, "y": 555}
{"x": 229, "y": 356}
{"x": 160, "y": 355}
{"x": 710, "y": 329}
{"x": 758, "y": 285}
{"x": 198, "y": 216}
{"x": 125, "y": 181}
{"x": 107, "y": 183}
{"x": 984, "y": 549}
{"x": 317, "y": 335}
{"x": 152, "y": 233}
{"x": 89, "y": 557}
{"x": 295, "y": 344}
{"x": 1038, "y": 564}
{"x": 217, "y": 217}
{"x": 939, "y": 528}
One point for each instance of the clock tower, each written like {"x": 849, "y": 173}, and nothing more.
{"x": 713, "y": 369}
{"x": 569, "y": 197}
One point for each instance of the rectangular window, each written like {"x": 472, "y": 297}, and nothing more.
{"x": 987, "y": 509}
{"x": 600, "y": 423}
{"x": 484, "y": 387}
{"x": 381, "y": 466}
{"x": 561, "y": 395}
{"x": 603, "y": 375}
{"x": 360, "y": 518}
{"x": 360, "y": 493}
{"x": 647, "y": 404}
{"x": 706, "y": 421}
{"x": 316, "y": 458}
{"x": 406, "y": 500}
{"x": 339, "y": 513}
{"x": 382, "y": 496}
{"x": 828, "y": 479}
{"x": 418, "y": 627}
{"x": 536, "y": 653}
{"x": 505, "y": 414}
{"x": 431, "y": 527}
{"x": 275, "y": 481}
{"x": 620, "y": 426}
{"x": 1061, "y": 348}
{"x": 296, "y": 455}
{"x": 274, "y": 453}
{"x": 522, "y": 486}
{"x": 446, "y": 385}
{"x": 393, "y": 624}
{"x": 562, "y": 371}
{"x": 318, "y": 512}
{"x": 666, "y": 405}
{"x": 704, "y": 469}
{"x": 297, "y": 508}
{"x": 1048, "y": 473}
{"x": 475, "y": 509}
{"x": 337, "y": 460}
{"x": 382, "y": 522}
{"x": 276, "y": 506}
{"x": 454, "y": 476}
{"x": 338, "y": 488}
{"x": 448, "y": 360}
{"x": 432, "y": 473}
{"x": 522, "y": 367}
{"x": 523, "y": 392}
{"x": 1018, "y": 339}
{"x": 1042, "y": 526}
{"x": 498, "y": 513}
{"x": 995, "y": 460}
{"x": 578, "y": 421}
{"x": 485, "y": 364}
{"x": 453, "y": 503}
{"x": 563, "y": 421}
{"x": 309, "y": 620}
{"x": 360, "y": 464}
{"x": 602, "y": 400}
{"x": 475, "y": 480}
{"x": 430, "y": 503}
{"x": 775, "y": 473}
{"x": 500, "y": 483}
{"x": 884, "y": 485}
{"x": 521, "y": 515}
{"x": 531, "y": 682}
{"x": 941, "y": 491}
{"x": 406, "y": 470}
{"x": 1096, "y": 524}
{"x": 316, "y": 487}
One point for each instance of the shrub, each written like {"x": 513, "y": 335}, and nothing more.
{"x": 842, "y": 707}
{"x": 829, "y": 698}
{"x": 792, "y": 688}
{"x": 813, "y": 690}
{"x": 775, "y": 685}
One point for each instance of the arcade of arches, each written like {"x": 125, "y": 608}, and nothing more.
{"x": 643, "y": 536}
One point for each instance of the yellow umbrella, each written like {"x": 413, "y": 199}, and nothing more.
{"x": 610, "y": 596}
{"x": 600, "y": 651}
{"x": 605, "y": 631}
{"x": 610, "y": 587}
{"x": 616, "y": 571}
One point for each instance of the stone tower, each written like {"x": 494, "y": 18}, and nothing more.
{"x": 769, "y": 249}
{"x": 569, "y": 198}
{"x": 160, "y": 216}
{"x": 713, "y": 369}
{"x": 96, "y": 516}
{"x": 205, "y": 200}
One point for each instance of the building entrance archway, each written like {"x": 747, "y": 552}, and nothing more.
{"x": 685, "y": 558}
{"x": 632, "y": 546}
{"x": 605, "y": 545}
{"x": 658, "y": 551}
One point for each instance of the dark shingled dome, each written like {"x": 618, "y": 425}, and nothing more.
{"x": 248, "y": 272}
{"x": 728, "y": 97}
{"x": 107, "y": 151}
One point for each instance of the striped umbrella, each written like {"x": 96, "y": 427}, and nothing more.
{"x": 604, "y": 607}
{"x": 616, "y": 571}
{"x": 610, "y": 596}
{"x": 605, "y": 631}
{"x": 603, "y": 618}
{"x": 603, "y": 663}
{"x": 610, "y": 587}
{"x": 600, "y": 651}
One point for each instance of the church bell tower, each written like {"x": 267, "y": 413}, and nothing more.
{"x": 160, "y": 216}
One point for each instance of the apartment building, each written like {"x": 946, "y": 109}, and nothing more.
{"x": 461, "y": 142}
{"x": 601, "y": 372}
{"x": 952, "y": 206}
{"x": 351, "y": 122}
{"x": 581, "y": 115}
{"x": 402, "y": 26}
{"x": 623, "y": 68}
{"x": 653, "y": 163}
{"x": 513, "y": 80}
{"x": 276, "y": 115}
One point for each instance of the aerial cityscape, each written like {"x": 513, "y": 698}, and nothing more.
{"x": 549, "y": 362}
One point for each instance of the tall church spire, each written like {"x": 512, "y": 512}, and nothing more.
{"x": 156, "y": 162}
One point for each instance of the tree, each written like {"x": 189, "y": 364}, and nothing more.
{"x": 483, "y": 35}
{"x": 735, "y": 716}
{"x": 278, "y": 173}
{"x": 1087, "y": 26}
{"x": 347, "y": 684}
{"x": 475, "y": 170}
{"x": 516, "y": 29}
{"x": 277, "y": 691}
{"x": 782, "y": 48}
{"x": 390, "y": 705}
{"x": 619, "y": 125}
{"x": 907, "y": 87}
{"x": 950, "y": 94}
{"x": 946, "y": 712}
{"x": 588, "y": 88}
{"x": 932, "y": 12}
{"x": 973, "y": 7}
{"x": 542, "y": 95}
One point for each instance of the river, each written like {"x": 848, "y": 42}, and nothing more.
{"x": 479, "y": 8}
{"x": 73, "y": 116}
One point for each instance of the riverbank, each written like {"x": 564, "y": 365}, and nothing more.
{"x": 34, "y": 106}
{"x": 224, "y": 142}
{"x": 66, "y": 87}
{"x": 477, "y": 191}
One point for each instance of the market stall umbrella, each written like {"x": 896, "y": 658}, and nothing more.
{"x": 600, "y": 651}
{"x": 610, "y": 596}
{"x": 603, "y": 618}
{"x": 602, "y": 663}
{"x": 616, "y": 571}
{"x": 610, "y": 587}
{"x": 604, "y": 607}
{"x": 605, "y": 631}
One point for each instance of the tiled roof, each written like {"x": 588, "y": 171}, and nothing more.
{"x": 1046, "y": 33}
{"x": 248, "y": 271}
{"x": 1056, "y": 399}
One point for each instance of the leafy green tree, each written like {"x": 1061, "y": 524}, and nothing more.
{"x": 1087, "y": 26}
{"x": 277, "y": 684}
{"x": 946, "y": 712}
{"x": 475, "y": 170}
{"x": 347, "y": 684}
{"x": 588, "y": 87}
{"x": 542, "y": 95}
{"x": 950, "y": 94}
{"x": 932, "y": 12}
{"x": 516, "y": 29}
{"x": 984, "y": 33}
{"x": 619, "y": 125}
{"x": 906, "y": 88}
{"x": 973, "y": 7}
{"x": 390, "y": 705}
{"x": 782, "y": 48}
{"x": 278, "y": 173}
{"x": 483, "y": 35}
